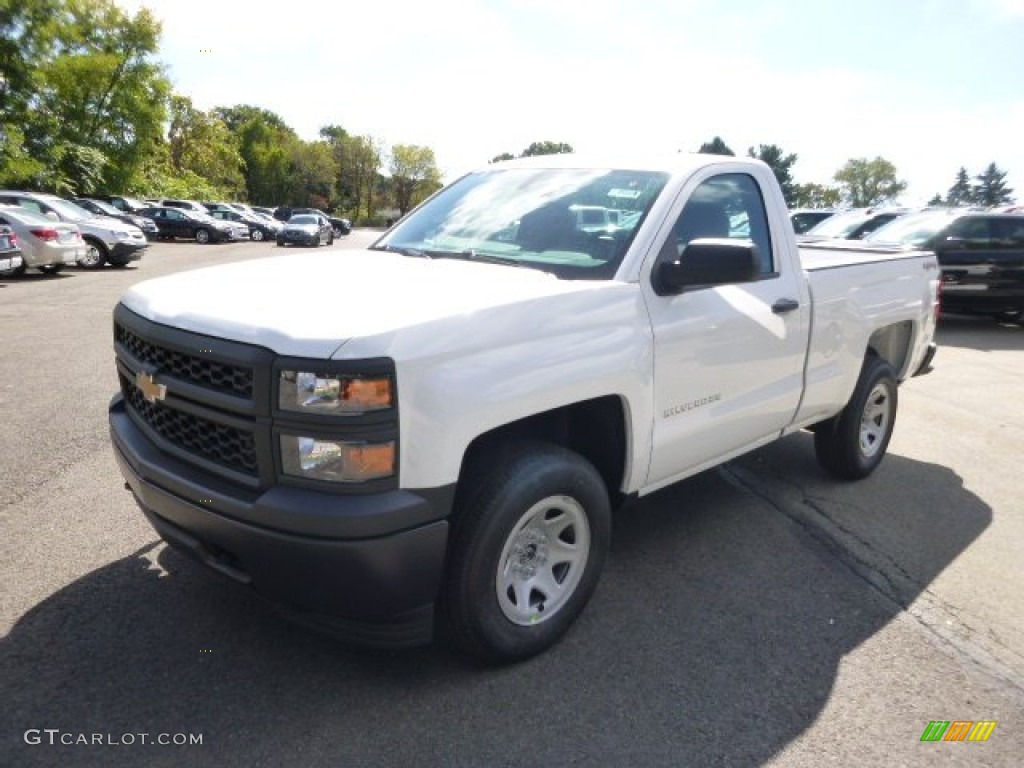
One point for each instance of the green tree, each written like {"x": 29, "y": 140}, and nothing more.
{"x": 80, "y": 82}
{"x": 414, "y": 175}
{"x": 781, "y": 165}
{"x": 960, "y": 193}
{"x": 991, "y": 189}
{"x": 360, "y": 170}
{"x": 201, "y": 143}
{"x": 715, "y": 147}
{"x": 936, "y": 200}
{"x": 265, "y": 145}
{"x": 816, "y": 196}
{"x": 547, "y": 148}
{"x": 869, "y": 182}
{"x": 503, "y": 156}
{"x": 314, "y": 173}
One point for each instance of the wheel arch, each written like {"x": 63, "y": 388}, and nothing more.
{"x": 596, "y": 429}
{"x": 892, "y": 343}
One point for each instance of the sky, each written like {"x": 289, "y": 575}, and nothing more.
{"x": 930, "y": 85}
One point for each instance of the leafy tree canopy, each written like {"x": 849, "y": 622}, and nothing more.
{"x": 715, "y": 147}
{"x": 869, "y": 182}
{"x": 781, "y": 165}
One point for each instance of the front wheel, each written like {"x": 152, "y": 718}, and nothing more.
{"x": 51, "y": 269}
{"x": 852, "y": 443}
{"x": 95, "y": 255}
{"x": 530, "y": 535}
{"x": 202, "y": 236}
{"x": 256, "y": 235}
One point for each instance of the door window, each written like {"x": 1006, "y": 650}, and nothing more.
{"x": 727, "y": 206}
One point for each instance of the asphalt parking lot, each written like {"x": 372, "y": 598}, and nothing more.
{"x": 756, "y": 614}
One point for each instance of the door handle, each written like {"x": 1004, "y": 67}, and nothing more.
{"x": 782, "y": 306}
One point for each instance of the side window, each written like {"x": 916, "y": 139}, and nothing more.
{"x": 1009, "y": 233}
{"x": 727, "y": 206}
{"x": 31, "y": 205}
{"x": 974, "y": 231}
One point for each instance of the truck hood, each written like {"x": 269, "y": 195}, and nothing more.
{"x": 310, "y": 305}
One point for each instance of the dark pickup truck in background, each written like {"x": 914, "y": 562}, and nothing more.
{"x": 981, "y": 254}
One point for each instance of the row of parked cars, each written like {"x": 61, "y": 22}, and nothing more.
{"x": 980, "y": 251}
{"x": 47, "y": 233}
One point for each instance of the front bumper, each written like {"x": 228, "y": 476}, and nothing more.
{"x": 127, "y": 251}
{"x": 365, "y": 567}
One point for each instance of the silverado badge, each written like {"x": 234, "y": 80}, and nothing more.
{"x": 149, "y": 388}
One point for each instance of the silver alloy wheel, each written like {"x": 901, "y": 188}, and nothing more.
{"x": 874, "y": 421}
{"x": 257, "y": 235}
{"x": 202, "y": 236}
{"x": 543, "y": 560}
{"x": 92, "y": 259}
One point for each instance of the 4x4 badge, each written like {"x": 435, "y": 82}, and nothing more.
{"x": 149, "y": 388}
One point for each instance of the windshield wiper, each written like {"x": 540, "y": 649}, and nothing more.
{"x": 486, "y": 258}
{"x": 405, "y": 251}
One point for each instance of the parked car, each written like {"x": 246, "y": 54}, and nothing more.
{"x": 981, "y": 255}
{"x": 259, "y": 229}
{"x": 103, "y": 208}
{"x": 186, "y": 205}
{"x": 10, "y": 254}
{"x": 175, "y": 223}
{"x": 45, "y": 244}
{"x": 805, "y": 218}
{"x": 122, "y": 203}
{"x": 340, "y": 226}
{"x": 265, "y": 211}
{"x": 855, "y": 224}
{"x": 306, "y": 229}
{"x": 107, "y": 240}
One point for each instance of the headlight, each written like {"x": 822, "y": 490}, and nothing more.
{"x": 336, "y": 460}
{"x": 343, "y": 395}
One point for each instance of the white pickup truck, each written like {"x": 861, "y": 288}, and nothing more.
{"x": 440, "y": 426}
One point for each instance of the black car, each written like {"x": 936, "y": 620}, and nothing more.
{"x": 306, "y": 229}
{"x": 340, "y": 226}
{"x": 981, "y": 255}
{"x": 258, "y": 228}
{"x": 101, "y": 208}
{"x": 175, "y": 222}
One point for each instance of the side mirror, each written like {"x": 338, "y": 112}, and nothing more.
{"x": 706, "y": 262}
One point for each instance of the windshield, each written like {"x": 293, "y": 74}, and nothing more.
{"x": 838, "y": 225}
{"x": 107, "y": 208}
{"x": 915, "y": 230}
{"x": 572, "y": 222}
{"x": 68, "y": 210}
{"x": 302, "y": 219}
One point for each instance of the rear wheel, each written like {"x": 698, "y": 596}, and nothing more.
{"x": 852, "y": 443}
{"x": 202, "y": 236}
{"x": 530, "y": 535}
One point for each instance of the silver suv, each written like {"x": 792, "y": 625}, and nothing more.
{"x": 107, "y": 240}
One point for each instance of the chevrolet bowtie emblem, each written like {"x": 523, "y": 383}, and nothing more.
{"x": 149, "y": 388}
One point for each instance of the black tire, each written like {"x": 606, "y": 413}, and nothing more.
{"x": 330, "y": 238}
{"x": 202, "y": 236}
{"x": 50, "y": 269}
{"x": 280, "y": 244}
{"x": 514, "y": 502}
{"x": 256, "y": 234}
{"x": 852, "y": 443}
{"x": 96, "y": 255}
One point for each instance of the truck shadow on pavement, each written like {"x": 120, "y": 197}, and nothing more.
{"x": 715, "y": 638}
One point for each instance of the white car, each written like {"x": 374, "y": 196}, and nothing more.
{"x": 46, "y": 245}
